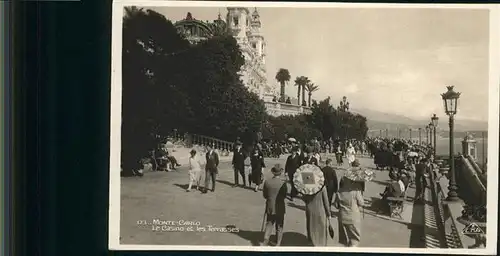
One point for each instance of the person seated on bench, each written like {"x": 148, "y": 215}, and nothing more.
{"x": 395, "y": 188}
{"x": 165, "y": 154}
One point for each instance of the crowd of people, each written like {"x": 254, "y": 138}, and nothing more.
{"x": 407, "y": 162}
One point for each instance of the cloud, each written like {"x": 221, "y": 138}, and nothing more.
{"x": 351, "y": 88}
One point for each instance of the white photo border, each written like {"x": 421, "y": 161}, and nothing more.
{"x": 115, "y": 127}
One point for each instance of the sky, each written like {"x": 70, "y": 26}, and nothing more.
{"x": 396, "y": 61}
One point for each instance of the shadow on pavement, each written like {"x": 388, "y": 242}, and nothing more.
{"x": 232, "y": 184}
{"x": 376, "y": 205}
{"x": 383, "y": 183}
{"x": 417, "y": 239}
{"x": 289, "y": 238}
{"x": 183, "y": 186}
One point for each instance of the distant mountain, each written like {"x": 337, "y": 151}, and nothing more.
{"x": 380, "y": 121}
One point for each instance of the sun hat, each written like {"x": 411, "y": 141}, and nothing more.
{"x": 359, "y": 174}
{"x": 308, "y": 179}
{"x": 277, "y": 170}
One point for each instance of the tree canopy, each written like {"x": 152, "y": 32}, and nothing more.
{"x": 168, "y": 84}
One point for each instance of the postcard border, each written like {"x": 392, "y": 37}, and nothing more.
{"x": 115, "y": 128}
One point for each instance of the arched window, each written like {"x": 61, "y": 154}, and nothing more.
{"x": 235, "y": 21}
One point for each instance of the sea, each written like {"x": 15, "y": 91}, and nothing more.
{"x": 443, "y": 147}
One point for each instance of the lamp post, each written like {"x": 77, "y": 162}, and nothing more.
{"x": 434, "y": 121}
{"x": 419, "y": 136}
{"x": 410, "y": 134}
{"x": 387, "y": 133}
{"x": 450, "y": 99}
{"x": 380, "y": 133}
{"x": 399, "y": 133}
{"x": 431, "y": 129}
{"x": 427, "y": 135}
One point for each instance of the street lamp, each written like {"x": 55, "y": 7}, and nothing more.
{"x": 410, "y": 135}
{"x": 427, "y": 135}
{"x": 450, "y": 99}
{"x": 434, "y": 121}
{"x": 419, "y": 136}
{"x": 431, "y": 128}
{"x": 380, "y": 133}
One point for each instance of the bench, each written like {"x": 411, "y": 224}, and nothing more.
{"x": 396, "y": 204}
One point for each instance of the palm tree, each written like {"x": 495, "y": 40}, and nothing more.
{"x": 301, "y": 82}
{"x": 283, "y": 76}
{"x": 311, "y": 87}
{"x": 306, "y": 82}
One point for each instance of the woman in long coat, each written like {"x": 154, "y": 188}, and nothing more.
{"x": 350, "y": 154}
{"x": 257, "y": 163}
{"x": 318, "y": 216}
{"x": 349, "y": 202}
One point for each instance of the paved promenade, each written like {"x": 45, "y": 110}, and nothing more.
{"x": 161, "y": 197}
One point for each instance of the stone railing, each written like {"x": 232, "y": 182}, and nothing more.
{"x": 471, "y": 188}
{"x": 280, "y": 108}
{"x": 471, "y": 191}
{"x": 480, "y": 173}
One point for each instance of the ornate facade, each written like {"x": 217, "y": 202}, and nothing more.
{"x": 245, "y": 28}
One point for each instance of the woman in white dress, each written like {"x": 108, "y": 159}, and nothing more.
{"x": 194, "y": 171}
{"x": 350, "y": 154}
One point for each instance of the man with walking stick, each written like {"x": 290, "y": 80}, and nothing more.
{"x": 274, "y": 191}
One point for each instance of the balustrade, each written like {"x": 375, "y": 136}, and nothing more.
{"x": 455, "y": 217}
{"x": 280, "y": 108}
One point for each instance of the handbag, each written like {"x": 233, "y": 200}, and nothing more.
{"x": 331, "y": 232}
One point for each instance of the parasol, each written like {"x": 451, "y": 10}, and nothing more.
{"x": 292, "y": 140}
{"x": 308, "y": 179}
{"x": 413, "y": 154}
{"x": 359, "y": 174}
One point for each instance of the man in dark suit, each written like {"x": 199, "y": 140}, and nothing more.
{"x": 274, "y": 191}
{"x": 292, "y": 163}
{"x": 301, "y": 154}
{"x": 420, "y": 179}
{"x": 211, "y": 168}
{"x": 331, "y": 180}
{"x": 310, "y": 159}
{"x": 239, "y": 164}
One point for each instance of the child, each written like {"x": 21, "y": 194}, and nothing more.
{"x": 194, "y": 171}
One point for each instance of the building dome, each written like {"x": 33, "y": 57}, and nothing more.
{"x": 468, "y": 137}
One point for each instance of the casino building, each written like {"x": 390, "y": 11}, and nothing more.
{"x": 245, "y": 27}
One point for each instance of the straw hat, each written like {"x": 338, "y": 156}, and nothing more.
{"x": 308, "y": 179}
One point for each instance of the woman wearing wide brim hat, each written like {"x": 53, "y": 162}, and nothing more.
{"x": 310, "y": 182}
{"x": 350, "y": 202}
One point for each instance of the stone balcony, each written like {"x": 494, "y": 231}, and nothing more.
{"x": 279, "y": 109}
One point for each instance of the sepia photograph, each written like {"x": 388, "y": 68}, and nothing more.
{"x": 257, "y": 126}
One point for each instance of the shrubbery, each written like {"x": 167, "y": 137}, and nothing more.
{"x": 169, "y": 84}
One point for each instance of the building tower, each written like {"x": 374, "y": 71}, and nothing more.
{"x": 238, "y": 22}
{"x": 255, "y": 36}
{"x": 258, "y": 44}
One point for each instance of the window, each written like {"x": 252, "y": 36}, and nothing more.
{"x": 254, "y": 45}
{"x": 235, "y": 21}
